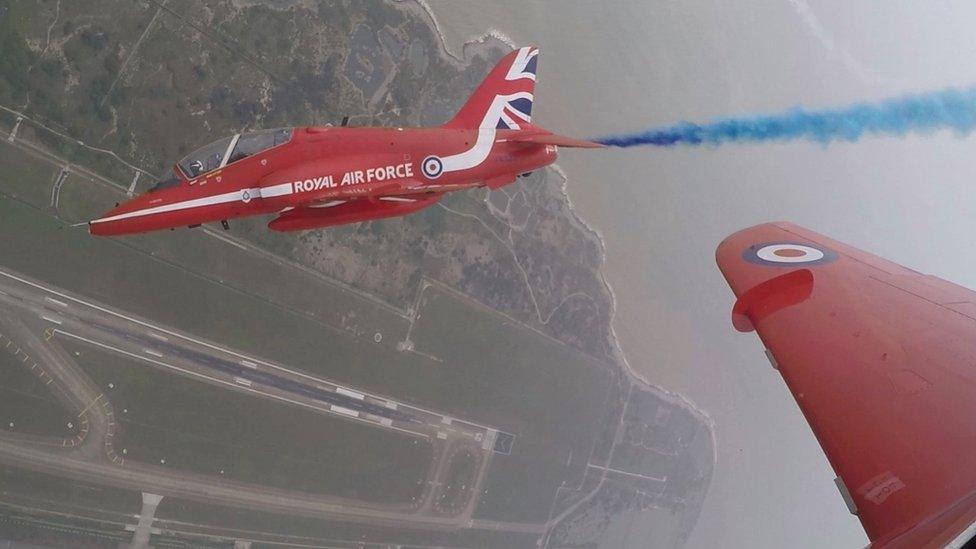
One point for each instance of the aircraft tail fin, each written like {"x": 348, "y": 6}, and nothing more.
{"x": 503, "y": 100}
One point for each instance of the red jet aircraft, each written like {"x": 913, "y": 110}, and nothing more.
{"x": 882, "y": 362}
{"x": 324, "y": 176}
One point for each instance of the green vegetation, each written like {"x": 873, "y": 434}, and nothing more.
{"x": 191, "y": 425}
{"x": 15, "y": 57}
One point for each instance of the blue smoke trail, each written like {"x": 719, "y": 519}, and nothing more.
{"x": 924, "y": 113}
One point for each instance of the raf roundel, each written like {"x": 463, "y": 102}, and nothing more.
{"x": 432, "y": 167}
{"x": 785, "y": 254}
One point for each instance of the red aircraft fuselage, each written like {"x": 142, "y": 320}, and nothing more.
{"x": 324, "y": 176}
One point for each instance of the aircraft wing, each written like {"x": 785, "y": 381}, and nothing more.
{"x": 882, "y": 362}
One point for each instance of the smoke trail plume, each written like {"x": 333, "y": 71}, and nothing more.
{"x": 924, "y": 113}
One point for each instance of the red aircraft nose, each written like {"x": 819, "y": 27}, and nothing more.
{"x": 109, "y": 224}
{"x": 129, "y": 217}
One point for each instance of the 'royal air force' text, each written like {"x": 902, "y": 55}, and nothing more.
{"x": 356, "y": 177}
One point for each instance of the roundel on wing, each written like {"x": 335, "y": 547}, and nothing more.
{"x": 432, "y": 167}
{"x": 785, "y": 254}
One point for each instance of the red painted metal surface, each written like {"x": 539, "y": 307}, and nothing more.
{"x": 882, "y": 362}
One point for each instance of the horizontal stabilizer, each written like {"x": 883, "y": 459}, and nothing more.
{"x": 553, "y": 139}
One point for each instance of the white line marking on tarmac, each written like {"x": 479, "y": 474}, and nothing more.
{"x": 249, "y": 364}
{"x": 349, "y": 393}
{"x": 55, "y": 301}
{"x": 346, "y": 411}
{"x": 49, "y": 319}
{"x": 242, "y": 381}
{"x": 157, "y": 336}
{"x": 153, "y": 353}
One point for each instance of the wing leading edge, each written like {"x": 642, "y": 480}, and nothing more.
{"x": 882, "y": 362}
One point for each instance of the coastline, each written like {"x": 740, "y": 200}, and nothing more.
{"x": 476, "y": 41}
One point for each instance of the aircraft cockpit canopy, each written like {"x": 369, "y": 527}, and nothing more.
{"x": 231, "y": 149}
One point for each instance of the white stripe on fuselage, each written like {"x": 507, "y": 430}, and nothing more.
{"x": 280, "y": 189}
{"x": 222, "y": 198}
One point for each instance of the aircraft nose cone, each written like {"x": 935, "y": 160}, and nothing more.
{"x": 105, "y": 225}
{"x": 95, "y": 229}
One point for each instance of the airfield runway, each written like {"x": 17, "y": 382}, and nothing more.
{"x": 165, "y": 348}
{"x": 93, "y": 458}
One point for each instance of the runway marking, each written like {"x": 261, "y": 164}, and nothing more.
{"x": 350, "y": 393}
{"x": 222, "y": 382}
{"x": 249, "y": 364}
{"x": 242, "y": 381}
{"x": 55, "y": 301}
{"x": 157, "y": 336}
{"x": 49, "y": 319}
{"x": 345, "y": 411}
{"x": 153, "y": 353}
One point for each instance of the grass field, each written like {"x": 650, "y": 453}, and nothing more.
{"x": 32, "y": 489}
{"x": 191, "y": 425}
{"x": 179, "y": 512}
{"x": 26, "y": 176}
{"x": 26, "y": 406}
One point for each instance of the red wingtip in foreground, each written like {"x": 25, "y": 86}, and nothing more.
{"x": 882, "y": 362}
{"x": 320, "y": 177}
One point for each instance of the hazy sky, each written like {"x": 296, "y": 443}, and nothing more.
{"x": 621, "y": 65}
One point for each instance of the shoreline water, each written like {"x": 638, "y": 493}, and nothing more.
{"x": 617, "y": 352}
